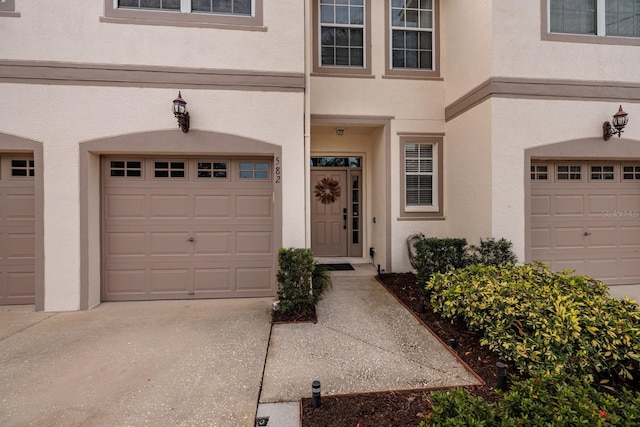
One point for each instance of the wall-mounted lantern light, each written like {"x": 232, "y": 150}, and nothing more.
{"x": 181, "y": 113}
{"x": 620, "y": 120}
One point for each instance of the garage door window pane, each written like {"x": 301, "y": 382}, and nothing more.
{"x": 569, "y": 173}
{"x": 212, "y": 170}
{"x": 254, "y": 170}
{"x": 539, "y": 173}
{"x": 126, "y": 168}
{"x": 631, "y": 173}
{"x": 169, "y": 170}
{"x": 602, "y": 173}
{"x": 22, "y": 168}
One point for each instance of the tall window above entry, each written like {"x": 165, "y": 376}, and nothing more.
{"x": 341, "y": 37}
{"x": 412, "y": 39}
{"x": 342, "y": 33}
{"x": 412, "y": 34}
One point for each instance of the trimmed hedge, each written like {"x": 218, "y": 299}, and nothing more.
{"x": 435, "y": 255}
{"x": 544, "y": 321}
{"x": 301, "y": 282}
{"x": 545, "y": 400}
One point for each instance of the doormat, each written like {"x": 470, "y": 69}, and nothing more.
{"x": 338, "y": 267}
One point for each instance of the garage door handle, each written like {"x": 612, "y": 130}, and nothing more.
{"x": 190, "y": 239}
{"x": 587, "y": 233}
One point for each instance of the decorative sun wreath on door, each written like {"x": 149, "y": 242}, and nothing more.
{"x": 327, "y": 190}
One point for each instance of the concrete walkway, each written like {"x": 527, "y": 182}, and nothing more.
{"x": 364, "y": 341}
{"x": 210, "y": 362}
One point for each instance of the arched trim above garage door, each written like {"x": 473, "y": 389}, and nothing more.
{"x": 16, "y": 144}
{"x": 588, "y": 149}
{"x": 160, "y": 143}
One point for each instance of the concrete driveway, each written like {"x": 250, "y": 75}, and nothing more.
{"x": 183, "y": 363}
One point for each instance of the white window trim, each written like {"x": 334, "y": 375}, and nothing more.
{"x": 433, "y": 207}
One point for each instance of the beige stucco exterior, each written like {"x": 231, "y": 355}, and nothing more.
{"x": 503, "y": 91}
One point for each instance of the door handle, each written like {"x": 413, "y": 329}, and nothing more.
{"x": 190, "y": 239}
{"x": 344, "y": 217}
{"x": 587, "y": 233}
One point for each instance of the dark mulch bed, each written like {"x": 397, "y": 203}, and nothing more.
{"x": 406, "y": 408}
{"x": 308, "y": 315}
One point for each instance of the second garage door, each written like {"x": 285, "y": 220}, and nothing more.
{"x": 17, "y": 229}
{"x": 183, "y": 228}
{"x": 585, "y": 216}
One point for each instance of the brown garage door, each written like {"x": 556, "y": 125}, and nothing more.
{"x": 182, "y": 228}
{"x": 17, "y": 225}
{"x": 585, "y": 216}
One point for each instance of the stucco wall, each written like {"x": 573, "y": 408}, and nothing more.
{"x": 466, "y": 48}
{"x": 518, "y": 50}
{"x": 62, "y": 117}
{"x": 468, "y": 185}
{"x": 73, "y": 32}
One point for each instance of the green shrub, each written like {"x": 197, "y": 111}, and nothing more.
{"x": 543, "y": 400}
{"x": 301, "y": 281}
{"x": 320, "y": 281}
{"x": 492, "y": 252}
{"x": 458, "y": 408}
{"x": 544, "y": 321}
{"x": 434, "y": 255}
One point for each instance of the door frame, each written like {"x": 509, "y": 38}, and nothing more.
{"x": 354, "y": 235}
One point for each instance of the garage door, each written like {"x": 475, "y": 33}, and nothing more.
{"x": 585, "y": 216}
{"x": 183, "y": 228}
{"x": 17, "y": 225}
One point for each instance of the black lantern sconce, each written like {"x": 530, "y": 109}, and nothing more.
{"x": 181, "y": 113}
{"x": 620, "y": 120}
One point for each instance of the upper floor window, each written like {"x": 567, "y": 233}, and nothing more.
{"x": 8, "y": 8}
{"x": 412, "y": 38}
{"x": 620, "y": 18}
{"x": 234, "y": 7}
{"x": 228, "y": 14}
{"x": 412, "y": 34}
{"x": 341, "y": 32}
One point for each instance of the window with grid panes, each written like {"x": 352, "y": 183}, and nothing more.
{"x": 619, "y": 18}
{"x": 342, "y": 33}
{"x": 539, "y": 172}
{"x": 602, "y": 173}
{"x": 412, "y": 39}
{"x": 22, "y": 168}
{"x": 231, "y": 7}
{"x": 125, "y": 168}
{"x": 631, "y": 172}
{"x": 569, "y": 173}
